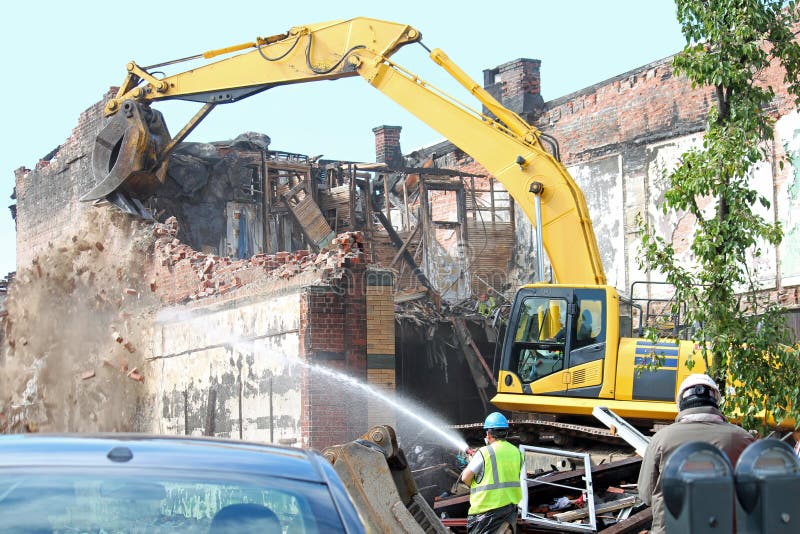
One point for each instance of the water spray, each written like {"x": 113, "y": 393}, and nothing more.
{"x": 404, "y": 406}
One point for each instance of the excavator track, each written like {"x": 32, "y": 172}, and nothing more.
{"x": 535, "y": 431}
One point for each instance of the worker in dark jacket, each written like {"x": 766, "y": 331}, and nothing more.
{"x": 699, "y": 419}
{"x": 497, "y": 479}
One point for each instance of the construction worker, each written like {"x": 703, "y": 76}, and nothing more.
{"x": 497, "y": 480}
{"x": 486, "y": 305}
{"x": 699, "y": 419}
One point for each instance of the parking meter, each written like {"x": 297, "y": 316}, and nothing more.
{"x": 697, "y": 485}
{"x": 768, "y": 488}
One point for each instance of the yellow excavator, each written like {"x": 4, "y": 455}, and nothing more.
{"x": 569, "y": 346}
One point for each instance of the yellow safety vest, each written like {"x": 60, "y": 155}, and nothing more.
{"x": 499, "y": 485}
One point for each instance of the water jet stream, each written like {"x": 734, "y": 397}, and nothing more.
{"x": 411, "y": 410}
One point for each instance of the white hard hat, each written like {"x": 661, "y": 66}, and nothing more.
{"x": 697, "y": 379}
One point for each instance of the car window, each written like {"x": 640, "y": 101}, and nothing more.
{"x": 95, "y": 501}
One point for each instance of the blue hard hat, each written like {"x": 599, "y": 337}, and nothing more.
{"x": 495, "y": 420}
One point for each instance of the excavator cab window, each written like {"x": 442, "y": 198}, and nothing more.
{"x": 553, "y": 330}
{"x": 587, "y": 343}
{"x": 589, "y": 326}
{"x": 540, "y": 340}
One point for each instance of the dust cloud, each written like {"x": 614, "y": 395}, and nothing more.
{"x": 76, "y": 331}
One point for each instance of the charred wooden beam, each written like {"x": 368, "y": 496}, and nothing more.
{"x": 397, "y": 241}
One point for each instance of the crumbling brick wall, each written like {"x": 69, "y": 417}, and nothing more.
{"x": 203, "y": 181}
{"x": 47, "y": 208}
{"x": 211, "y": 345}
{"x": 263, "y": 349}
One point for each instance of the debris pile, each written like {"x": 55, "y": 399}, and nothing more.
{"x": 558, "y": 498}
{"x": 217, "y": 275}
{"x": 76, "y": 307}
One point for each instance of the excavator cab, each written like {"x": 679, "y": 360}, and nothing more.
{"x": 568, "y": 350}
{"x": 127, "y": 156}
{"x": 556, "y": 342}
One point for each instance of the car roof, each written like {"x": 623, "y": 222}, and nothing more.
{"x": 173, "y": 452}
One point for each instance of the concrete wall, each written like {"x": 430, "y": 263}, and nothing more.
{"x": 281, "y": 362}
{"x": 264, "y": 349}
{"x": 244, "y": 352}
{"x": 601, "y": 177}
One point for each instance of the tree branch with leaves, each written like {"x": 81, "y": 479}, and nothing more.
{"x": 730, "y": 44}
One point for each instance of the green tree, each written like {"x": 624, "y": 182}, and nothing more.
{"x": 730, "y": 43}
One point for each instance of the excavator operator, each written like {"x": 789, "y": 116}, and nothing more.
{"x": 497, "y": 479}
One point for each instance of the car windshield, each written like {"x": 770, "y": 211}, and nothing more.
{"x": 94, "y": 501}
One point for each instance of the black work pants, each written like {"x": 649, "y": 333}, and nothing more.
{"x": 488, "y": 522}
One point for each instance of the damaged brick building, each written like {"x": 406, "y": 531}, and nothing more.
{"x": 274, "y": 277}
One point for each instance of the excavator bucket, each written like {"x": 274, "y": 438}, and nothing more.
{"x": 377, "y": 477}
{"x": 126, "y": 153}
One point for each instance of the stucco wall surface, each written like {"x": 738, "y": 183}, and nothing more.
{"x": 245, "y": 351}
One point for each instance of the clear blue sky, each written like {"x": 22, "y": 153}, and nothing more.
{"x": 60, "y": 57}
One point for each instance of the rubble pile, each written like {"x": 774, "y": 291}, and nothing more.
{"x": 77, "y": 321}
{"x": 219, "y": 275}
{"x": 75, "y": 331}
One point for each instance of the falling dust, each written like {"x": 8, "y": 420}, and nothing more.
{"x": 415, "y": 423}
{"x": 72, "y": 354}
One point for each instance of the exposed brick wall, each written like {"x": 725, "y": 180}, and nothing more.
{"x": 333, "y": 336}
{"x": 444, "y": 205}
{"x": 644, "y": 105}
{"x": 380, "y": 342}
{"x": 387, "y": 145}
{"x": 178, "y": 273}
{"x": 516, "y": 85}
{"x": 48, "y": 210}
{"x": 324, "y": 416}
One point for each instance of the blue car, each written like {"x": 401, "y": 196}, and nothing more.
{"x": 119, "y": 483}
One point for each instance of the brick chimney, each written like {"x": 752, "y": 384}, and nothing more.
{"x": 516, "y": 85}
{"x": 387, "y": 145}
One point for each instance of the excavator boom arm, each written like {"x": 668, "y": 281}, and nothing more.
{"x": 303, "y": 54}
{"x": 516, "y": 158}
{"x": 508, "y": 148}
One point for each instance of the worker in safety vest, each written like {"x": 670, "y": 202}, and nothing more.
{"x": 497, "y": 480}
{"x": 486, "y": 305}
